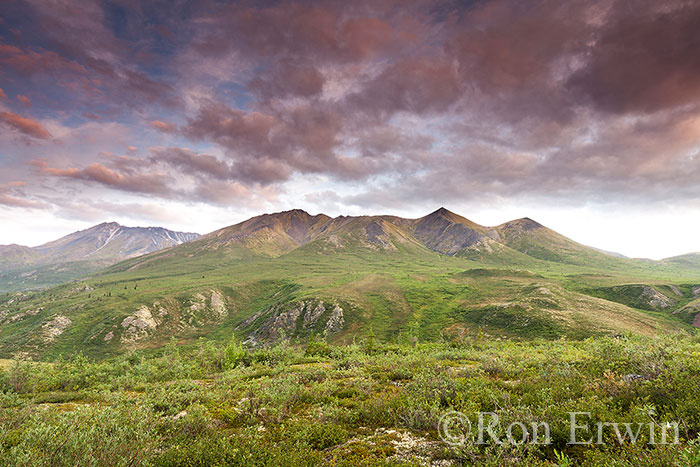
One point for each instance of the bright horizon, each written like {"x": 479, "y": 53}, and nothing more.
{"x": 614, "y": 242}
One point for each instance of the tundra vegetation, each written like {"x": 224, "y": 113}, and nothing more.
{"x": 366, "y": 403}
{"x": 296, "y": 340}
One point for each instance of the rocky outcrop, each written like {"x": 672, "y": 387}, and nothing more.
{"x": 55, "y": 327}
{"x": 138, "y": 326}
{"x": 312, "y": 314}
{"x": 198, "y": 302}
{"x": 218, "y": 305}
{"x": 198, "y": 306}
{"x": 292, "y": 319}
{"x": 656, "y": 299}
{"x": 335, "y": 322}
{"x": 5, "y": 315}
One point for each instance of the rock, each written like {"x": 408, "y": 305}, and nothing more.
{"x": 217, "y": 304}
{"x": 676, "y": 291}
{"x": 335, "y": 322}
{"x": 288, "y": 318}
{"x": 285, "y": 321}
{"x": 656, "y": 299}
{"x": 55, "y": 327}
{"x": 312, "y": 314}
{"x": 198, "y": 302}
{"x": 109, "y": 336}
{"x": 138, "y": 326}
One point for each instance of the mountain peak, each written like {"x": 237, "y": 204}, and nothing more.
{"x": 442, "y": 211}
{"x": 289, "y": 212}
{"x": 446, "y": 232}
{"x": 106, "y": 224}
{"x": 525, "y": 224}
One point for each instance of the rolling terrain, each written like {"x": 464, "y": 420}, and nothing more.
{"x": 80, "y": 253}
{"x": 295, "y": 275}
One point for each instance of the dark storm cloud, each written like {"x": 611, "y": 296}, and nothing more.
{"x": 643, "y": 60}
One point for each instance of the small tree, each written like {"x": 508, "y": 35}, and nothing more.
{"x": 370, "y": 344}
{"x": 317, "y": 348}
{"x": 235, "y": 354}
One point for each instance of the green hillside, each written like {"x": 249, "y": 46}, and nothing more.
{"x": 296, "y": 275}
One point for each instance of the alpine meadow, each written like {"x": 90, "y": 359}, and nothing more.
{"x": 326, "y": 311}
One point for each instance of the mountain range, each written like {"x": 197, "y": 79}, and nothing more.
{"x": 292, "y": 274}
{"x": 80, "y": 253}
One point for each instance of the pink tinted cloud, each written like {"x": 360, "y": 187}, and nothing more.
{"x": 24, "y": 100}
{"x": 163, "y": 126}
{"x": 13, "y": 195}
{"x": 504, "y": 96}
{"x": 129, "y": 180}
{"x": 24, "y": 125}
{"x": 294, "y": 29}
{"x": 289, "y": 78}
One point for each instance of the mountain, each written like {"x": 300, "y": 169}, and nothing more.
{"x": 79, "y": 253}
{"x": 293, "y": 274}
{"x": 12, "y": 256}
{"x": 690, "y": 260}
{"x": 111, "y": 242}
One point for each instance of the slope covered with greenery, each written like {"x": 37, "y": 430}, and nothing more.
{"x": 295, "y": 275}
{"x": 209, "y": 404}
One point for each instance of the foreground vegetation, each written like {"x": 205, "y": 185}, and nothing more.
{"x": 362, "y": 404}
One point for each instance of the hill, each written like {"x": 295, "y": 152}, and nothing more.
{"x": 292, "y": 275}
{"x": 80, "y": 253}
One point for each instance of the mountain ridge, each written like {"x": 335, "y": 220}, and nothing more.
{"x": 79, "y": 252}
{"x": 295, "y": 274}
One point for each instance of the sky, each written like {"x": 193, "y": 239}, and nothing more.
{"x": 194, "y": 115}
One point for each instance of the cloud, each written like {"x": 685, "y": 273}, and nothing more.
{"x": 415, "y": 85}
{"x": 288, "y": 78}
{"x": 13, "y": 195}
{"x": 24, "y": 100}
{"x": 24, "y": 125}
{"x": 126, "y": 180}
{"x": 643, "y": 59}
{"x": 395, "y": 102}
{"x": 163, "y": 126}
{"x": 190, "y": 162}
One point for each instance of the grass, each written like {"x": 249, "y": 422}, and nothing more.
{"x": 410, "y": 290}
{"x": 362, "y": 404}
